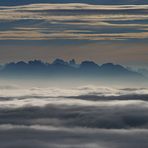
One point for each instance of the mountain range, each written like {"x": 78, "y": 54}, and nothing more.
{"x": 98, "y": 2}
{"x": 61, "y": 68}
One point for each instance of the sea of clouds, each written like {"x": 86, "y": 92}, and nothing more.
{"x": 79, "y": 117}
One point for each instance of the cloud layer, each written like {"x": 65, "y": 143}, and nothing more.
{"x": 102, "y": 2}
{"x": 59, "y": 118}
{"x": 74, "y": 21}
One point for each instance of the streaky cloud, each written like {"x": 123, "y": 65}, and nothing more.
{"x": 78, "y": 21}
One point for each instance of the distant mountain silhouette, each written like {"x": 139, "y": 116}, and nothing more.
{"x": 143, "y": 71}
{"x": 60, "y": 68}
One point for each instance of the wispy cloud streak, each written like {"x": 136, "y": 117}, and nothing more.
{"x": 74, "y": 22}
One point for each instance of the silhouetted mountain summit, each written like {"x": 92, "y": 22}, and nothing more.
{"x": 59, "y": 62}
{"x": 61, "y": 68}
{"x": 113, "y": 69}
{"x": 89, "y": 64}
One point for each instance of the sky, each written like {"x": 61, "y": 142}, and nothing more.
{"x": 102, "y": 31}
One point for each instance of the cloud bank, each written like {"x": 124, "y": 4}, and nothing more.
{"x": 59, "y": 118}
